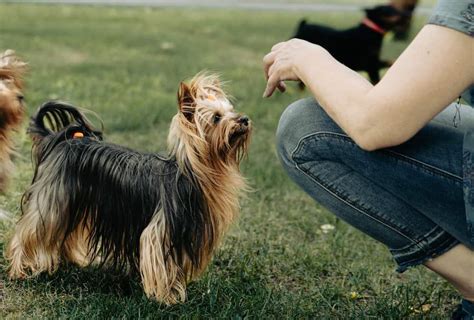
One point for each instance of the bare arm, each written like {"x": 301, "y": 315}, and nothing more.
{"x": 433, "y": 70}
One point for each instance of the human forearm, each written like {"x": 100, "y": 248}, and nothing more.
{"x": 340, "y": 91}
{"x": 419, "y": 85}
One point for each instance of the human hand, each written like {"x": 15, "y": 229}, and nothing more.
{"x": 283, "y": 61}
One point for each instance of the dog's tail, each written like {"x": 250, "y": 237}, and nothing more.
{"x": 62, "y": 120}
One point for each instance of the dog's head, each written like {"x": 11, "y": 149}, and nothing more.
{"x": 207, "y": 128}
{"x": 386, "y": 16}
{"x": 11, "y": 97}
{"x": 401, "y": 31}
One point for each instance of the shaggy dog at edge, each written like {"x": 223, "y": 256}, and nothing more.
{"x": 11, "y": 109}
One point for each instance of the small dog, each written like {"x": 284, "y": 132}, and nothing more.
{"x": 92, "y": 202}
{"x": 401, "y": 30}
{"x": 12, "y": 110}
{"x": 358, "y": 47}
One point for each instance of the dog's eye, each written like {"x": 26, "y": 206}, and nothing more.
{"x": 20, "y": 97}
{"x": 217, "y": 118}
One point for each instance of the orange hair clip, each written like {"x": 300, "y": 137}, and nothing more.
{"x": 78, "y": 135}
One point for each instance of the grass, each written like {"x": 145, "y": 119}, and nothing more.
{"x": 358, "y": 2}
{"x": 125, "y": 64}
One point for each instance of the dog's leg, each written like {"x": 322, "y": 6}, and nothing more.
{"x": 76, "y": 247}
{"x": 35, "y": 246}
{"x": 162, "y": 279}
{"x": 33, "y": 249}
{"x": 374, "y": 76}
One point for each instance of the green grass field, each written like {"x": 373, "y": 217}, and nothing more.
{"x": 275, "y": 263}
{"x": 357, "y": 2}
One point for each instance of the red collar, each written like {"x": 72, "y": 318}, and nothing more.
{"x": 372, "y": 25}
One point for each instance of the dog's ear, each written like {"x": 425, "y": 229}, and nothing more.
{"x": 186, "y": 103}
{"x": 11, "y": 67}
{"x": 368, "y": 10}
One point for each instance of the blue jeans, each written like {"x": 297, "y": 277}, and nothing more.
{"x": 408, "y": 197}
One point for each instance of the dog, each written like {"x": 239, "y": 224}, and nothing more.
{"x": 12, "y": 109}
{"x": 358, "y": 47}
{"x": 96, "y": 203}
{"x": 401, "y": 30}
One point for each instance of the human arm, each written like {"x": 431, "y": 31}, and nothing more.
{"x": 431, "y": 72}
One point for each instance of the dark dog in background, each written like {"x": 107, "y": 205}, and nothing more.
{"x": 401, "y": 31}
{"x": 358, "y": 47}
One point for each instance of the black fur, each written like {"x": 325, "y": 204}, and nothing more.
{"x": 358, "y": 47}
{"x": 117, "y": 189}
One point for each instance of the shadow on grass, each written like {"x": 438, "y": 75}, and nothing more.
{"x": 238, "y": 284}
{"x": 73, "y": 293}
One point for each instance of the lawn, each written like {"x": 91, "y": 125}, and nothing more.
{"x": 125, "y": 64}
{"x": 427, "y": 3}
{"x": 356, "y": 2}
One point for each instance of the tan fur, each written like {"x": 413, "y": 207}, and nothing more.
{"x": 76, "y": 247}
{"x": 161, "y": 279}
{"x": 11, "y": 109}
{"x": 30, "y": 250}
{"x": 207, "y": 151}
{"x": 35, "y": 246}
{"x": 214, "y": 161}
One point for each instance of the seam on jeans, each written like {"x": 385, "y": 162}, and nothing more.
{"x": 415, "y": 243}
{"x": 432, "y": 252}
{"x": 421, "y": 165}
{"x": 403, "y": 259}
{"x": 428, "y": 166}
{"x": 425, "y": 238}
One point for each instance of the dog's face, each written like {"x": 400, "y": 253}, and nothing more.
{"x": 11, "y": 97}
{"x": 207, "y": 120}
{"x": 387, "y": 16}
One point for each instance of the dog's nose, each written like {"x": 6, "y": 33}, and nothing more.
{"x": 244, "y": 120}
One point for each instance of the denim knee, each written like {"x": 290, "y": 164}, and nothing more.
{"x": 285, "y": 139}
{"x": 301, "y": 118}
{"x": 328, "y": 165}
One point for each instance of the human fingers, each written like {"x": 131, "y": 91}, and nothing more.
{"x": 272, "y": 83}
{"x": 277, "y": 69}
{"x": 281, "y": 86}
{"x": 278, "y": 46}
{"x": 268, "y": 61}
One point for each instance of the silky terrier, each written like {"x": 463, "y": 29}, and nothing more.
{"x": 95, "y": 203}
{"x": 11, "y": 109}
